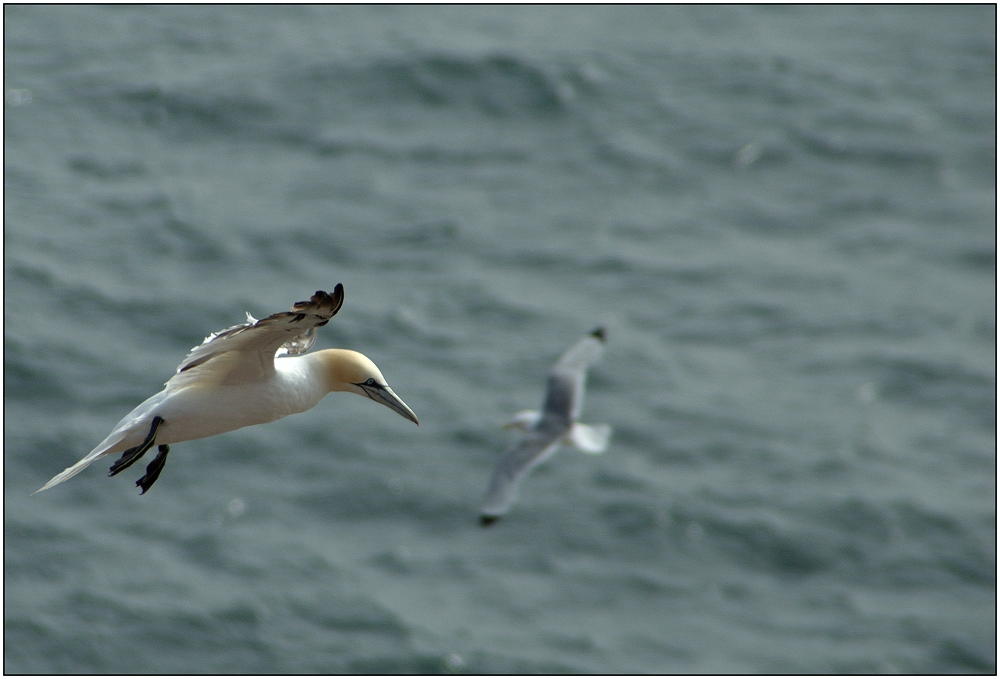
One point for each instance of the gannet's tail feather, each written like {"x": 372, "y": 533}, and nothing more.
{"x": 103, "y": 449}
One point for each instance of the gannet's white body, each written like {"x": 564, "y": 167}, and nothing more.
{"x": 251, "y": 373}
{"x": 547, "y": 429}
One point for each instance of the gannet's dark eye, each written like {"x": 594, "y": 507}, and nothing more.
{"x": 370, "y": 382}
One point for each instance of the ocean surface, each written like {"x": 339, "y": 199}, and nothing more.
{"x": 784, "y": 216}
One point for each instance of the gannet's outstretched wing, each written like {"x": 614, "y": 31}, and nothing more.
{"x": 246, "y": 352}
{"x": 512, "y": 468}
{"x": 567, "y": 378}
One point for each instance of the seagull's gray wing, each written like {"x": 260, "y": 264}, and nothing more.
{"x": 567, "y": 378}
{"x": 512, "y": 468}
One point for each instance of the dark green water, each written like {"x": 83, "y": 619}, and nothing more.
{"x": 784, "y": 216}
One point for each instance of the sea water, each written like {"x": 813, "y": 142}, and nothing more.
{"x": 783, "y": 216}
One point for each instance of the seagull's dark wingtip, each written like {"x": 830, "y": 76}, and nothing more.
{"x": 599, "y": 333}
{"x": 487, "y": 520}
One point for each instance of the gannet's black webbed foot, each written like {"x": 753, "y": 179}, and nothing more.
{"x": 154, "y": 469}
{"x": 133, "y": 454}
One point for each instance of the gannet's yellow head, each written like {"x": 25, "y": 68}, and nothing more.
{"x": 348, "y": 370}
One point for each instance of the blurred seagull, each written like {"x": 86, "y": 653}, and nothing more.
{"x": 251, "y": 373}
{"x": 555, "y": 425}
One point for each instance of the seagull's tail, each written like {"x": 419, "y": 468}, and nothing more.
{"x": 590, "y": 438}
{"x": 103, "y": 449}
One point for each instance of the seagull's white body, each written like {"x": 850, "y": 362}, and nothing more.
{"x": 248, "y": 374}
{"x": 549, "y": 428}
{"x": 587, "y": 438}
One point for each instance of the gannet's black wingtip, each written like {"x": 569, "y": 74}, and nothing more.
{"x": 338, "y": 296}
{"x": 487, "y": 520}
{"x": 322, "y": 304}
{"x": 599, "y": 333}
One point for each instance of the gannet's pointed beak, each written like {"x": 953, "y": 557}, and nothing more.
{"x": 387, "y": 397}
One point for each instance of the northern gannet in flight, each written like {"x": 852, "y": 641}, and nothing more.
{"x": 251, "y": 373}
{"x": 554, "y": 425}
